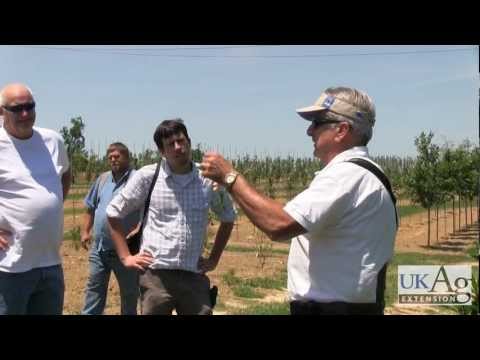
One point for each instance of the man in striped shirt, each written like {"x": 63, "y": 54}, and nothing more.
{"x": 174, "y": 231}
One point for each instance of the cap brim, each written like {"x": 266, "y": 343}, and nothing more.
{"x": 310, "y": 112}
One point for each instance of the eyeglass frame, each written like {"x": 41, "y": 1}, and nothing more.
{"x": 318, "y": 122}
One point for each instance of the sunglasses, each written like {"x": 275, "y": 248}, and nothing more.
{"x": 318, "y": 122}
{"x": 20, "y": 107}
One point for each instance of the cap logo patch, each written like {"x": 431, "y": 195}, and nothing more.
{"x": 328, "y": 102}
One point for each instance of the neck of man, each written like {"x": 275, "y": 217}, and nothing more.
{"x": 22, "y": 135}
{"x": 181, "y": 169}
{"x": 334, "y": 152}
{"x": 117, "y": 175}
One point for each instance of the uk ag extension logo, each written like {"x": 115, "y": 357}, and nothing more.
{"x": 435, "y": 285}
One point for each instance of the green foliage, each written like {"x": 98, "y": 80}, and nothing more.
{"x": 247, "y": 292}
{"x": 282, "y": 308}
{"x": 245, "y": 288}
{"x": 422, "y": 179}
{"x": 76, "y": 196}
{"x": 268, "y": 283}
{"x": 404, "y": 211}
{"x": 197, "y": 154}
{"x": 71, "y": 211}
{"x": 74, "y": 236}
{"x": 230, "y": 278}
{"x": 144, "y": 158}
{"x": 75, "y": 145}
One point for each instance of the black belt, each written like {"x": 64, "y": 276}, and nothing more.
{"x": 302, "y": 307}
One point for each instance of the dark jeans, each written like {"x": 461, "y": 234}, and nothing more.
{"x": 334, "y": 308}
{"x": 187, "y": 292}
{"x": 35, "y": 292}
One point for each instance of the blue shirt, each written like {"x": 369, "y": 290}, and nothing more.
{"x": 97, "y": 201}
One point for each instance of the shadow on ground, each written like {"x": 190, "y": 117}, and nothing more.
{"x": 460, "y": 241}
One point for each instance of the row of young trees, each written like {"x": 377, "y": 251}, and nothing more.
{"x": 439, "y": 174}
{"x": 443, "y": 174}
{"x": 91, "y": 164}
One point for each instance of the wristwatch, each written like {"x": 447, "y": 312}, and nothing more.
{"x": 230, "y": 179}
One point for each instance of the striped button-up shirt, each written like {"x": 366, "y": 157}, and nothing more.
{"x": 176, "y": 226}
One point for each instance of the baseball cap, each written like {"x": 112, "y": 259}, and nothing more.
{"x": 327, "y": 102}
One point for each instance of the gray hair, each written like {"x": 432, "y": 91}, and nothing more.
{"x": 359, "y": 99}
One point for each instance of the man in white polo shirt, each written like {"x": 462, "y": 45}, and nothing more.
{"x": 34, "y": 181}
{"x": 343, "y": 225}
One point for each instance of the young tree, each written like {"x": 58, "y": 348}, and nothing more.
{"x": 75, "y": 144}
{"x": 421, "y": 179}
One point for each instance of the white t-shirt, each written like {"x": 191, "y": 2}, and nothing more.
{"x": 31, "y": 199}
{"x": 350, "y": 219}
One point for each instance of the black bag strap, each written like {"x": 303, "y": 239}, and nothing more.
{"x": 147, "y": 201}
{"x": 380, "y": 176}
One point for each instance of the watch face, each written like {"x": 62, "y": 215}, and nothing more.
{"x": 230, "y": 178}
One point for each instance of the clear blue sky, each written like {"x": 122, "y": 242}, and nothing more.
{"x": 241, "y": 99}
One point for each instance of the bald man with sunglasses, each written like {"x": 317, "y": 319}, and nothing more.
{"x": 34, "y": 181}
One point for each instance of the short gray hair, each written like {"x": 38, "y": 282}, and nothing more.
{"x": 359, "y": 99}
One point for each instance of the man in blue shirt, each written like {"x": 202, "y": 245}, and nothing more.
{"x": 103, "y": 257}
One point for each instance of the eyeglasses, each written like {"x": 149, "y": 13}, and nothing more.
{"x": 319, "y": 122}
{"x": 20, "y": 107}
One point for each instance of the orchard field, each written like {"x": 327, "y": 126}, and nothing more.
{"x": 437, "y": 201}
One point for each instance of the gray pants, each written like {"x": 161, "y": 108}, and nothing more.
{"x": 187, "y": 292}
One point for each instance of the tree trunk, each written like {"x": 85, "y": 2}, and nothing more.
{"x": 465, "y": 205}
{"x": 453, "y": 214}
{"x": 428, "y": 212}
{"x": 436, "y": 215}
{"x": 471, "y": 211}
{"x": 445, "y": 218}
{"x": 459, "y": 213}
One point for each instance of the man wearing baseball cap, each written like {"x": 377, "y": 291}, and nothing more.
{"x": 343, "y": 225}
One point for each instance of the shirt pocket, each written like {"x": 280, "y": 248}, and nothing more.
{"x": 198, "y": 214}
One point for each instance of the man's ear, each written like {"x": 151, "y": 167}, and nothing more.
{"x": 160, "y": 151}
{"x": 343, "y": 128}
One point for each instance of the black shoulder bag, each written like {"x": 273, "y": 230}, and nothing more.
{"x": 133, "y": 242}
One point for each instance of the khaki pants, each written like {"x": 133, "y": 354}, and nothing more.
{"x": 162, "y": 291}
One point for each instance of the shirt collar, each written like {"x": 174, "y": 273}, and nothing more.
{"x": 166, "y": 171}
{"x": 123, "y": 178}
{"x": 356, "y": 151}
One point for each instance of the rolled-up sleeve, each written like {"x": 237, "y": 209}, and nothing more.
{"x": 91, "y": 200}
{"x": 222, "y": 205}
{"x": 131, "y": 197}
